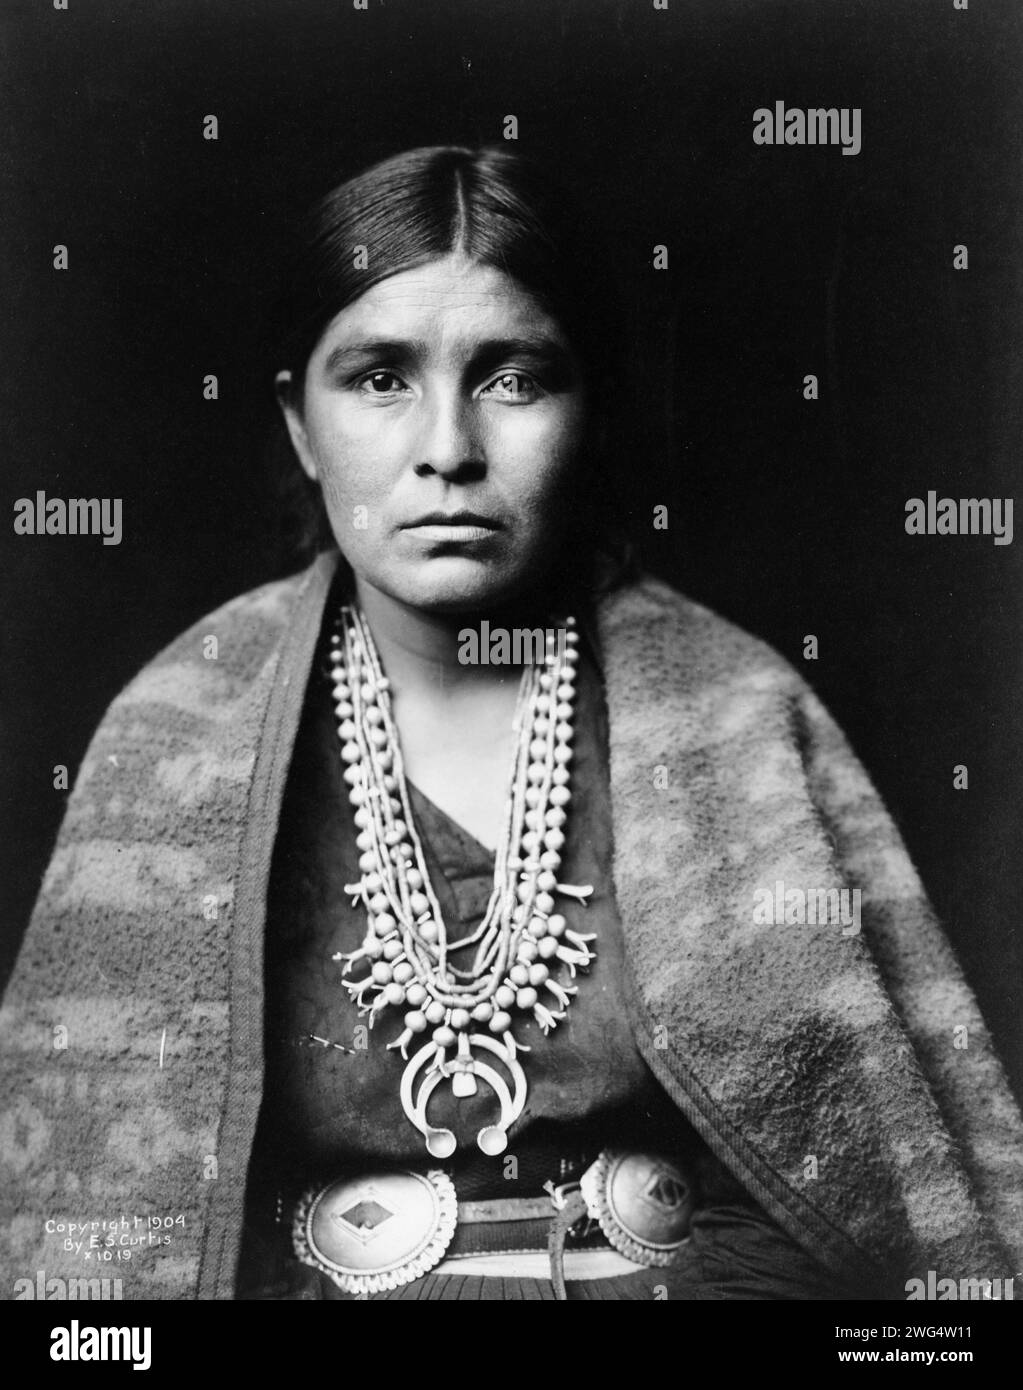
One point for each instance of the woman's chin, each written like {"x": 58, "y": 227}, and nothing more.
{"x": 452, "y": 584}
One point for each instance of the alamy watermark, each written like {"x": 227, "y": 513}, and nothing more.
{"x": 77, "y": 1343}
{"x": 825, "y": 907}
{"x": 75, "y": 516}
{"x": 963, "y": 516}
{"x": 941, "y": 1290}
{"x": 819, "y": 125}
{"x": 517, "y": 646}
{"x": 57, "y": 1290}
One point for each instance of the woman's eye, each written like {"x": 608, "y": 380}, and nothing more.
{"x": 513, "y": 386}
{"x": 381, "y": 384}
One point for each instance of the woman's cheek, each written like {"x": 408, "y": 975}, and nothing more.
{"x": 547, "y": 474}
{"x": 558, "y": 438}
{"x": 350, "y": 473}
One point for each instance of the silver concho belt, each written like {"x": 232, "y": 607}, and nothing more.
{"x": 643, "y": 1204}
{"x": 379, "y": 1232}
{"x": 374, "y": 1233}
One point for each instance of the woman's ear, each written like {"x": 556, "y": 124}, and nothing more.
{"x": 291, "y": 409}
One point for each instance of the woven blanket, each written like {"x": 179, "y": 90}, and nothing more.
{"x": 835, "y": 1060}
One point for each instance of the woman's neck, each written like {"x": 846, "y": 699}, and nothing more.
{"x": 420, "y": 649}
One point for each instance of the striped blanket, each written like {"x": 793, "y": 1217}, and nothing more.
{"x": 845, "y": 1076}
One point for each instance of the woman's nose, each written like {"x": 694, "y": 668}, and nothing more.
{"x": 449, "y": 444}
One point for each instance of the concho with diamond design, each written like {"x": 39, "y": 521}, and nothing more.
{"x": 372, "y": 1234}
{"x": 642, "y": 1202}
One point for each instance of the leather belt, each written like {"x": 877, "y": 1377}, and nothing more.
{"x": 375, "y": 1232}
{"x": 536, "y": 1265}
{"x": 506, "y": 1209}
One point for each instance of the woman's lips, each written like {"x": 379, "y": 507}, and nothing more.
{"x": 454, "y": 532}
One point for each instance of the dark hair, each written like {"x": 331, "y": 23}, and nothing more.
{"x": 495, "y": 207}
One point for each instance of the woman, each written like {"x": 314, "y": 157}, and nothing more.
{"x": 398, "y": 974}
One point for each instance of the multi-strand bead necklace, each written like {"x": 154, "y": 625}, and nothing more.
{"x": 459, "y": 1021}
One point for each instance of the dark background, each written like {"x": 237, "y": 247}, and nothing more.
{"x": 786, "y": 515}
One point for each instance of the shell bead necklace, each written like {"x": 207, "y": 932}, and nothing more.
{"x": 460, "y": 1020}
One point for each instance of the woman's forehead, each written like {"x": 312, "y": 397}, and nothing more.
{"x": 454, "y": 296}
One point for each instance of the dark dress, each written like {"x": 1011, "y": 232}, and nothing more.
{"x": 331, "y": 1104}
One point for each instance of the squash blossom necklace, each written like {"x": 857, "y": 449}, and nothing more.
{"x": 459, "y": 1022}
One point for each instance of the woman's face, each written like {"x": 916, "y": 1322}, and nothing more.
{"x": 441, "y": 414}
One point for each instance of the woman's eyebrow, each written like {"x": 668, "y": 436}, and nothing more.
{"x": 540, "y": 347}
{"x": 395, "y": 350}
{"x": 480, "y": 356}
